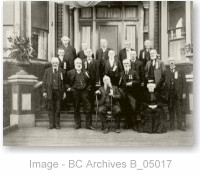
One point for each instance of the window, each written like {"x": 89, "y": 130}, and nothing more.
{"x": 40, "y": 28}
{"x": 176, "y": 29}
{"x": 8, "y": 24}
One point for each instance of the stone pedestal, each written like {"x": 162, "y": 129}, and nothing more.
{"x": 22, "y": 106}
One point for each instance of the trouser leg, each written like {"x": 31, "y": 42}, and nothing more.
{"x": 102, "y": 114}
{"x": 51, "y": 113}
{"x": 172, "y": 107}
{"x": 87, "y": 107}
{"x": 116, "y": 114}
{"x": 76, "y": 103}
{"x": 57, "y": 112}
{"x": 132, "y": 113}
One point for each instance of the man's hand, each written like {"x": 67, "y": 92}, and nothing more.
{"x": 98, "y": 92}
{"x": 69, "y": 89}
{"x": 184, "y": 96}
{"x": 129, "y": 84}
{"x": 111, "y": 92}
{"x": 64, "y": 95}
{"x": 44, "y": 95}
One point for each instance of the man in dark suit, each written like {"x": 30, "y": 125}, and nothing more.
{"x": 109, "y": 93}
{"x": 175, "y": 89}
{"x": 113, "y": 68}
{"x": 101, "y": 57}
{"x": 129, "y": 82}
{"x": 82, "y": 53}
{"x": 70, "y": 52}
{"x": 137, "y": 65}
{"x": 154, "y": 70}
{"x": 78, "y": 82}
{"x": 53, "y": 91}
{"x": 89, "y": 65}
{"x": 144, "y": 55}
{"x": 125, "y": 52}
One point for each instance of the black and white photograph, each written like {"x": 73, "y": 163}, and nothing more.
{"x": 98, "y": 73}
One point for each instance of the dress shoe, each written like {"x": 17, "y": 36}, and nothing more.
{"x": 106, "y": 130}
{"x": 77, "y": 127}
{"x": 117, "y": 130}
{"x": 90, "y": 127}
{"x": 50, "y": 127}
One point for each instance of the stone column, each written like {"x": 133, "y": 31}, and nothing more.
{"x": 66, "y": 21}
{"x": 164, "y": 32}
{"x": 71, "y": 13}
{"x": 22, "y": 106}
{"x": 151, "y": 21}
{"x": 76, "y": 30}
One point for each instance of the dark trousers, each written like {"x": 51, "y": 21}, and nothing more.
{"x": 115, "y": 112}
{"x": 175, "y": 107}
{"x": 128, "y": 105}
{"x": 54, "y": 109}
{"x": 78, "y": 96}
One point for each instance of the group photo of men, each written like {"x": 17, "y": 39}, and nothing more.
{"x": 135, "y": 89}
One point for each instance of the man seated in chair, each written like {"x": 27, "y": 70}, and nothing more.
{"x": 109, "y": 102}
{"x": 153, "y": 115}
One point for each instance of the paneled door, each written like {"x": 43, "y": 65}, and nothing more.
{"x": 112, "y": 32}
{"x": 116, "y": 33}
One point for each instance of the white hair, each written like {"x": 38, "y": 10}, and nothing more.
{"x": 54, "y": 59}
{"x": 153, "y": 50}
{"x": 171, "y": 58}
{"x": 147, "y": 41}
{"x": 111, "y": 51}
{"x": 106, "y": 77}
{"x": 126, "y": 61}
{"x": 64, "y": 38}
{"x": 89, "y": 50}
{"x": 76, "y": 60}
{"x": 102, "y": 39}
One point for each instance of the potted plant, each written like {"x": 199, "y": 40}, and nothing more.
{"x": 21, "y": 51}
{"x": 187, "y": 51}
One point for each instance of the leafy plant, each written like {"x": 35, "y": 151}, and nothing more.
{"x": 188, "y": 49}
{"x": 20, "y": 48}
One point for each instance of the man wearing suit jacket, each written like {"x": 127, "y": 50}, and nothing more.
{"x": 137, "y": 65}
{"x": 113, "y": 68}
{"x": 53, "y": 91}
{"x": 70, "y": 52}
{"x": 101, "y": 57}
{"x": 78, "y": 82}
{"x": 107, "y": 92}
{"x": 154, "y": 70}
{"x": 125, "y": 52}
{"x": 129, "y": 82}
{"x": 144, "y": 55}
{"x": 82, "y": 53}
{"x": 175, "y": 89}
{"x": 89, "y": 65}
